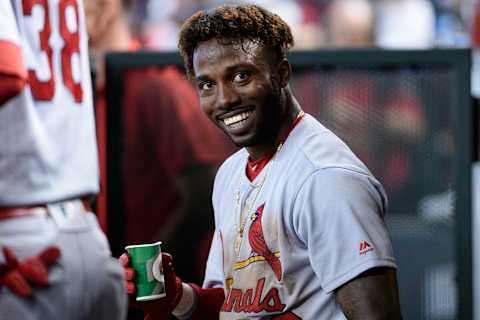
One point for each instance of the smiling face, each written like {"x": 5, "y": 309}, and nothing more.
{"x": 239, "y": 87}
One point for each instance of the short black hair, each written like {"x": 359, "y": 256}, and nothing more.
{"x": 236, "y": 23}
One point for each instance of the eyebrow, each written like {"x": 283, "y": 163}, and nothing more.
{"x": 202, "y": 78}
{"x": 229, "y": 69}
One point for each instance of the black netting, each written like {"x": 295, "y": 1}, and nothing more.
{"x": 399, "y": 121}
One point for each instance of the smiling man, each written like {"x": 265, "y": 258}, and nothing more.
{"x": 299, "y": 218}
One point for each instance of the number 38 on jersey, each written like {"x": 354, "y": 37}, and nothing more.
{"x": 55, "y": 41}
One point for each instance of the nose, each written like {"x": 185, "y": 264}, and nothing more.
{"x": 227, "y": 97}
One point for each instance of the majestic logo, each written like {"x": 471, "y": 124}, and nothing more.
{"x": 250, "y": 300}
{"x": 259, "y": 246}
{"x": 365, "y": 247}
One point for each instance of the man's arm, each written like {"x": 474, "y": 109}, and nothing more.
{"x": 371, "y": 295}
{"x": 13, "y": 74}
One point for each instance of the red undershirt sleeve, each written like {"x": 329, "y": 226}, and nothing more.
{"x": 209, "y": 302}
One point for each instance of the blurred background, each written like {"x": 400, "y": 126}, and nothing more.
{"x": 159, "y": 154}
{"x": 327, "y": 23}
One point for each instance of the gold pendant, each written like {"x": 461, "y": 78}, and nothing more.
{"x": 237, "y": 244}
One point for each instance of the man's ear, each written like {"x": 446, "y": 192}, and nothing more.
{"x": 284, "y": 70}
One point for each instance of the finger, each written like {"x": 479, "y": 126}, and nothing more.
{"x": 130, "y": 287}
{"x": 50, "y": 255}
{"x": 35, "y": 271}
{"x": 10, "y": 258}
{"x": 14, "y": 281}
{"x": 129, "y": 273}
{"x": 167, "y": 263}
{"x": 168, "y": 272}
{"x": 124, "y": 260}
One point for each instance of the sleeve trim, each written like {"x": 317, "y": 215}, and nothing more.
{"x": 356, "y": 270}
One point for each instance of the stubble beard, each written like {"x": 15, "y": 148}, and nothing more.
{"x": 270, "y": 121}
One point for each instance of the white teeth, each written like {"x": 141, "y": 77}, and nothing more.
{"x": 237, "y": 118}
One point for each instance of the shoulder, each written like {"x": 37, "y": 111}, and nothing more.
{"x": 322, "y": 149}
{"x": 336, "y": 167}
{"x": 335, "y": 190}
{"x": 341, "y": 178}
{"x": 313, "y": 152}
{"x": 337, "y": 199}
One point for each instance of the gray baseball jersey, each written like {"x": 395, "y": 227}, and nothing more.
{"x": 316, "y": 222}
{"x": 48, "y": 153}
{"x": 48, "y": 150}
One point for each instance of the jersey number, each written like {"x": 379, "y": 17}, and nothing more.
{"x": 45, "y": 90}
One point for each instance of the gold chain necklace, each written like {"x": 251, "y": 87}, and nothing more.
{"x": 242, "y": 220}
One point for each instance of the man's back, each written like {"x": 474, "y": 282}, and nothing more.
{"x": 48, "y": 150}
{"x": 48, "y": 165}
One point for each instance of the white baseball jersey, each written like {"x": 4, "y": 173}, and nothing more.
{"x": 48, "y": 150}
{"x": 316, "y": 223}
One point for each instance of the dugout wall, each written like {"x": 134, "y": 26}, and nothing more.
{"x": 407, "y": 115}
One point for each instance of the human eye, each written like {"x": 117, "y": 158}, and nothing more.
{"x": 241, "y": 77}
{"x": 205, "y": 85}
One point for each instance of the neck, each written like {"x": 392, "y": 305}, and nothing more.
{"x": 292, "y": 110}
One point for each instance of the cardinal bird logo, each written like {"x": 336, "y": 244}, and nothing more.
{"x": 259, "y": 246}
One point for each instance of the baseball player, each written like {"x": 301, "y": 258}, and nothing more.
{"x": 56, "y": 263}
{"x": 299, "y": 218}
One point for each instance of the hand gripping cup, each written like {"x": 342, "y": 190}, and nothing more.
{"x": 146, "y": 260}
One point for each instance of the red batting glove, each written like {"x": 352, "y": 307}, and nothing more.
{"x": 155, "y": 309}
{"x": 19, "y": 276}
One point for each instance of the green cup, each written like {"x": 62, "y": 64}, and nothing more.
{"x": 146, "y": 259}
